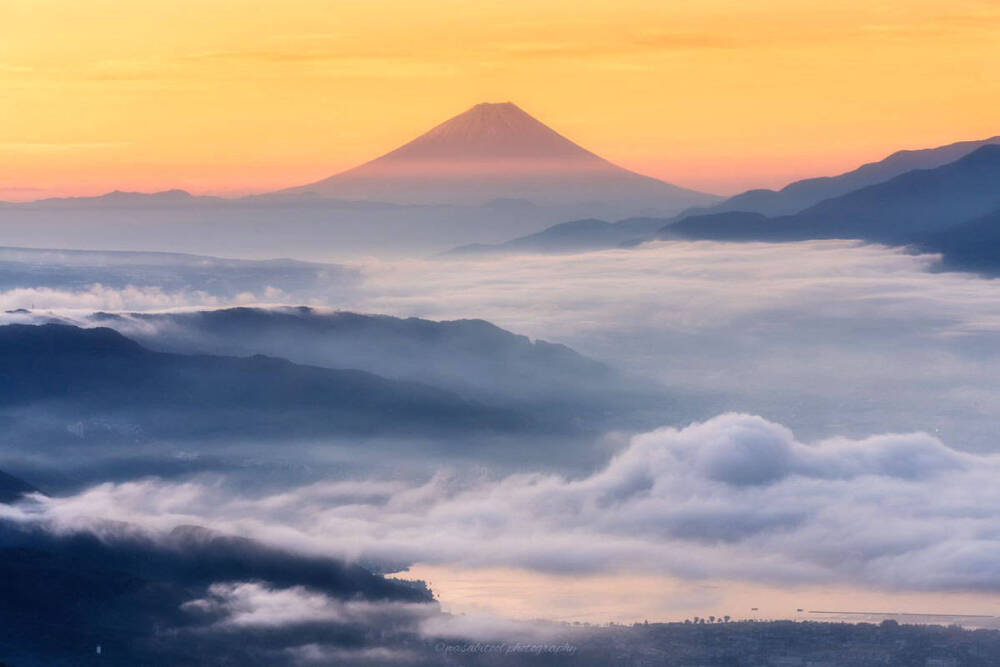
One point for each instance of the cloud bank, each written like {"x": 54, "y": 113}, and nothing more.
{"x": 829, "y": 337}
{"x": 736, "y": 497}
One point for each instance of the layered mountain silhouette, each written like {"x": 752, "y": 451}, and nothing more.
{"x": 97, "y": 383}
{"x": 901, "y": 210}
{"x": 122, "y": 199}
{"x": 497, "y": 151}
{"x": 475, "y": 359}
{"x": 800, "y": 195}
{"x": 349, "y": 374}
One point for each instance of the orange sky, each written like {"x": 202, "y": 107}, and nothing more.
{"x": 240, "y": 95}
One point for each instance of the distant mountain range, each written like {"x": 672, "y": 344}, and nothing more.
{"x": 303, "y": 226}
{"x": 800, "y": 195}
{"x": 914, "y": 207}
{"x": 482, "y": 176}
{"x": 497, "y": 177}
{"x": 948, "y": 208}
{"x": 121, "y": 198}
{"x": 497, "y": 151}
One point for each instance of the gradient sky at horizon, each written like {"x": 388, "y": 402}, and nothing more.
{"x": 230, "y": 96}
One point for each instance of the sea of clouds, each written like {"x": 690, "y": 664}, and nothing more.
{"x": 734, "y": 498}
{"x": 828, "y": 337}
{"x": 803, "y": 349}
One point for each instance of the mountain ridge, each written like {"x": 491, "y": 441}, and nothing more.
{"x": 950, "y": 209}
{"x": 97, "y": 375}
{"x": 473, "y": 358}
{"x": 800, "y": 195}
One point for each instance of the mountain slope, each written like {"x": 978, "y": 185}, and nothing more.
{"x": 800, "y": 195}
{"x": 901, "y": 210}
{"x": 971, "y": 246}
{"x": 497, "y": 151}
{"x": 473, "y": 358}
{"x": 96, "y": 377}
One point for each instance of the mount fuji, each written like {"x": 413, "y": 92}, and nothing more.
{"x": 498, "y": 152}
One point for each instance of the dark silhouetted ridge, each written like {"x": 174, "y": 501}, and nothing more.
{"x": 902, "y": 210}
{"x": 98, "y": 374}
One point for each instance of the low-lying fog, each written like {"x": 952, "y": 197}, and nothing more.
{"x": 829, "y": 337}
{"x": 823, "y": 347}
